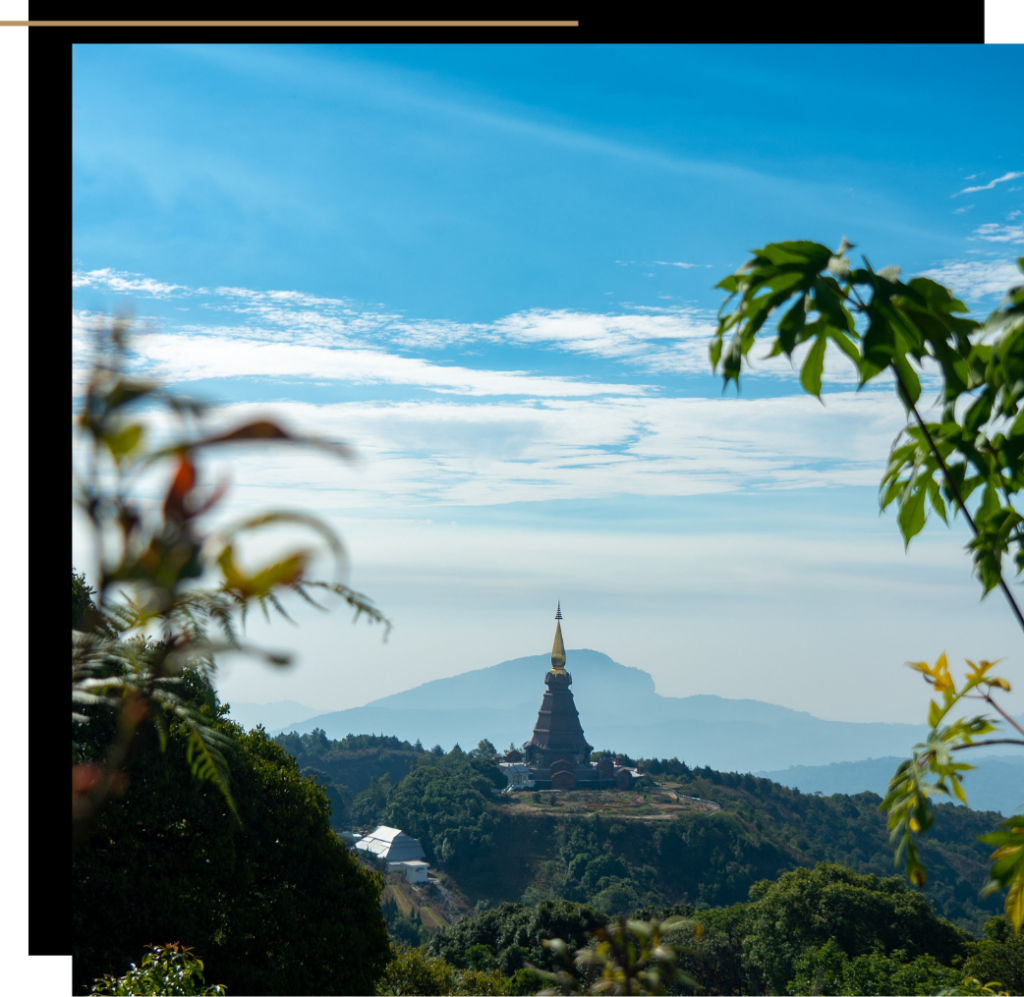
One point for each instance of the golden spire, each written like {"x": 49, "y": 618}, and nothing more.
{"x": 558, "y": 648}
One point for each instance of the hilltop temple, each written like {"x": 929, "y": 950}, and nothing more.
{"x": 558, "y": 755}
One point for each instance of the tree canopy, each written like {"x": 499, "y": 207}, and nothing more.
{"x": 860, "y": 914}
{"x": 272, "y": 901}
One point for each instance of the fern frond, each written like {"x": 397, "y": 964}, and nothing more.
{"x": 206, "y": 758}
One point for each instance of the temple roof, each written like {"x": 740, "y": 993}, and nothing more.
{"x": 558, "y": 732}
{"x": 558, "y": 648}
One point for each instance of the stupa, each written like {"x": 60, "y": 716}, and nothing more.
{"x": 557, "y": 756}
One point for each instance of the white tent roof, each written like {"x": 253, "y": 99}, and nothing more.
{"x": 392, "y": 844}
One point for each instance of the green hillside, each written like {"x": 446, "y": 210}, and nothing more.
{"x": 498, "y": 850}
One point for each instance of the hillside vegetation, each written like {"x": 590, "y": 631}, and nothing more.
{"x": 617, "y": 864}
{"x": 826, "y": 931}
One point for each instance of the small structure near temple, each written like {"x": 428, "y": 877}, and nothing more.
{"x": 557, "y": 756}
{"x": 396, "y": 850}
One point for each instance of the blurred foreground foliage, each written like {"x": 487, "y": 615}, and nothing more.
{"x": 184, "y": 825}
{"x": 151, "y": 619}
{"x": 973, "y": 451}
{"x": 171, "y": 969}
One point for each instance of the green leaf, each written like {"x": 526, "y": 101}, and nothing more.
{"x": 908, "y": 376}
{"x": 789, "y": 328}
{"x": 123, "y": 443}
{"x": 912, "y": 514}
{"x": 810, "y": 373}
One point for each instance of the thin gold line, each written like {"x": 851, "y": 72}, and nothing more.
{"x": 289, "y": 24}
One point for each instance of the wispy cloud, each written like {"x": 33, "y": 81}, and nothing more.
{"x": 492, "y": 452}
{"x": 123, "y": 282}
{"x": 685, "y": 266}
{"x": 185, "y": 357}
{"x": 991, "y": 183}
{"x": 637, "y": 337}
{"x": 993, "y": 232}
{"x": 664, "y": 339}
{"x": 236, "y": 332}
{"x": 973, "y": 279}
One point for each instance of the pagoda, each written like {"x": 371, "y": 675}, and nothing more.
{"x": 557, "y": 756}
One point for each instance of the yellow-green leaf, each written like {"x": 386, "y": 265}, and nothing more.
{"x": 123, "y": 443}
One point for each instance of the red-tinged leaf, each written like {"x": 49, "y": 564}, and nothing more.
{"x": 262, "y": 429}
{"x": 183, "y": 483}
{"x": 215, "y": 497}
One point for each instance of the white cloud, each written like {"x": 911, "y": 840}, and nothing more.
{"x": 991, "y": 232}
{"x": 119, "y": 281}
{"x": 992, "y": 183}
{"x": 625, "y": 336}
{"x": 288, "y": 334}
{"x": 973, "y": 279}
{"x": 664, "y": 339}
{"x": 488, "y": 452}
{"x": 190, "y": 357}
{"x": 685, "y": 266}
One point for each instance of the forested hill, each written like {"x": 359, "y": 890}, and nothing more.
{"x": 500, "y": 850}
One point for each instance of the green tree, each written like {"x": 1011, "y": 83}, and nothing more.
{"x": 171, "y": 969}
{"x": 976, "y": 448}
{"x": 807, "y": 908}
{"x": 414, "y": 971}
{"x": 273, "y": 901}
{"x": 999, "y": 956}
{"x": 406, "y": 929}
{"x": 369, "y": 804}
{"x": 445, "y": 802}
{"x": 485, "y": 751}
{"x": 827, "y": 969}
{"x": 515, "y": 934}
{"x": 338, "y": 796}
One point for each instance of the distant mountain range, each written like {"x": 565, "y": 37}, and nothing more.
{"x": 271, "y": 715}
{"x": 619, "y": 710}
{"x": 996, "y": 784}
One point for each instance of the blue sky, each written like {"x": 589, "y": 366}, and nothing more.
{"x": 492, "y": 269}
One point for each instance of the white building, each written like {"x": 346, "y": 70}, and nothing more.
{"x": 517, "y": 774}
{"x": 396, "y": 848}
{"x": 415, "y": 871}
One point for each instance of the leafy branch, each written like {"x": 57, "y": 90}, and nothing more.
{"x": 978, "y": 444}
{"x": 626, "y": 957}
{"x": 150, "y": 567}
{"x": 907, "y": 803}
{"x": 880, "y": 323}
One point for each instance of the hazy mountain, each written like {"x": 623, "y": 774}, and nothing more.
{"x": 996, "y": 784}
{"x": 271, "y": 715}
{"x": 619, "y": 709}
